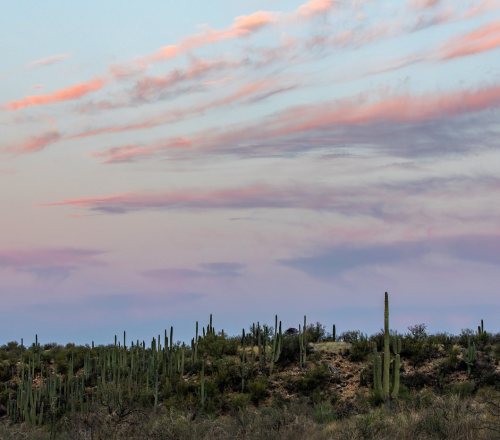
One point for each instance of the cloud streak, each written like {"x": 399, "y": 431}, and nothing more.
{"x": 350, "y": 200}
{"x": 48, "y": 61}
{"x": 482, "y": 39}
{"x": 71, "y": 93}
{"x": 482, "y": 249}
{"x": 49, "y": 262}
{"x": 242, "y": 27}
{"x": 355, "y": 120}
{"x": 247, "y": 93}
{"x": 37, "y": 143}
{"x": 207, "y": 270}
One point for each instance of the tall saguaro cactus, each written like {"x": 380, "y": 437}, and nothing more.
{"x": 387, "y": 352}
{"x": 277, "y": 342}
{"x": 381, "y": 372}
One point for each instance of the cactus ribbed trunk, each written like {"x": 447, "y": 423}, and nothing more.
{"x": 387, "y": 353}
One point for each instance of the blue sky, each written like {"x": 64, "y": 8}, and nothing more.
{"x": 164, "y": 160}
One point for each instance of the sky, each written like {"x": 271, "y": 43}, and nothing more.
{"x": 161, "y": 161}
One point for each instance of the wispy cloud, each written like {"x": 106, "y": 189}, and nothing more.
{"x": 74, "y": 92}
{"x": 314, "y": 7}
{"x": 423, "y": 4}
{"x": 257, "y": 196}
{"x": 150, "y": 87}
{"x": 207, "y": 270}
{"x": 47, "y": 61}
{"x": 242, "y": 26}
{"x": 357, "y": 120}
{"x": 338, "y": 259}
{"x": 49, "y": 262}
{"x": 37, "y": 143}
{"x": 482, "y": 39}
{"x": 349, "y": 200}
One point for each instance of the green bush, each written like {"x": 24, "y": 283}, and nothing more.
{"x": 462, "y": 389}
{"x": 289, "y": 350}
{"x": 360, "y": 349}
{"x": 315, "y": 332}
{"x": 217, "y": 346}
{"x": 258, "y": 389}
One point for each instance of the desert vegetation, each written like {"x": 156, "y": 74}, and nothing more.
{"x": 266, "y": 382}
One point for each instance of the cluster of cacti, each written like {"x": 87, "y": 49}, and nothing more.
{"x": 108, "y": 373}
{"x": 381, "y": 370}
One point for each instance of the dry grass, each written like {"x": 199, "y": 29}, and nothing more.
{"x": 330, "y": 347}
{"x": 427, "y": 417}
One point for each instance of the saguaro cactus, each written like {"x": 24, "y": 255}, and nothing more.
{"x": 387, "y": 352}
{"x": 480, "y": 328}
{"x": 470, "y": 355}
{"x": 381, "y": 372}
{"x": 302, "y": 344}
{"x": 277, "y": 341}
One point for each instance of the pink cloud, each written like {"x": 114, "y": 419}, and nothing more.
{"x": 378, "y": 201}
{"x": 49, "y": 262}
{"x": 361, "y": 111}
{"x": 127, "y": 153}
{"x": 481, "y": 8}
{"x": 255, "y": 196}
{"x": 42, "y": 256}
{"x": 314, "y": 7}
{"x": 47, "y": 61}
{"x": 246, "y": 24}
{"x": 242, "y": 26}
{"x": 252, "y": 91}
{"x": 424, "y": 4}
{"x": 405, "y": 108}
{"x": 67, "y": 94}
{"x": 38, "y": 143}
{"x": 484, "y": 38}
{"x": 152, "y": 86}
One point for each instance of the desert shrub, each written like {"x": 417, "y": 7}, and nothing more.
{"x": 448, "y": 418}
{"x": 418, "y": 350}
{"x": 452, "y": 361}
{"x": 324, "y": 412}
{"x": 496, "y": 353}
{"x": 7, "y": 370}
{"x": 360, "y": 349}
{"x": 218, "y": 346}
{"x": 351, "y": 336}
{"x": 289, "y": 350}
{"x": 484, "y": 372}
{"x": 315, "y": 332}
{"x": 227, "y": 375}
{"x": 314, "y": 379}
{"x": 417, "y": 380}
{"x": 461, "y": 389}
{"x": 239, "y": 401}
{"x": 418, "y": 331}
{"x": 366, "y": 375}
{"x": 258, "y": 389}
{"x": 465, "y": 335}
